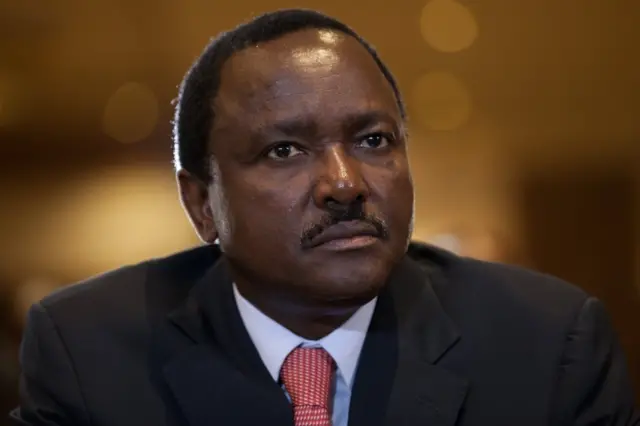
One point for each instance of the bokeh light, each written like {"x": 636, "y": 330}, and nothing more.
{"x": 131, "y": 113}
{"x": 448, "y": 26}
{"x": 440, "y": 101}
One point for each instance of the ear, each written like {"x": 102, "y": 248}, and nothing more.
{"x": 194, "y": 195}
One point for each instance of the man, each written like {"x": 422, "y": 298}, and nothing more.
{"x": 314, "y": 309}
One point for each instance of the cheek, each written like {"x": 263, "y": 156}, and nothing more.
{"x": 264, "y": 212}
{"x": 392, "y": 187}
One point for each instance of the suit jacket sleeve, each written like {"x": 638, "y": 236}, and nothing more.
{"x": 593, "y": 383}
{"x": 49, "y": 389}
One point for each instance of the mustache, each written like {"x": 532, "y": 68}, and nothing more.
{"x": 354, "y": 212}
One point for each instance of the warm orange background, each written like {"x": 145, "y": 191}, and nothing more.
{"x": 524, "y": 119}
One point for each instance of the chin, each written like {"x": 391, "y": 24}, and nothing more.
{"x": 355, "y": 274}
{"x": 359, "y": 283}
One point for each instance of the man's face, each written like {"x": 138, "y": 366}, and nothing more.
{"x": 311, "y": 192}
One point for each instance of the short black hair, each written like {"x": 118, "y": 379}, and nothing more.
{"x": 194, "y": 113}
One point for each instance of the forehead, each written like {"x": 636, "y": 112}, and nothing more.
{"x": 318, "y": 73}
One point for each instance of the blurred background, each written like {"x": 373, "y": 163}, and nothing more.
{"x": 525, "y": 136}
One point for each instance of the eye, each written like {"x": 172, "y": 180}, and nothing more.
{"x": 376, "y": 141}
{"x": 284, "y": 150}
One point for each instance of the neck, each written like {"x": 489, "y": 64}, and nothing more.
{"x": 309, "y": 319}
{"x": 309, "y": 327}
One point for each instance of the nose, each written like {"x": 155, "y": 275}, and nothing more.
{"x": 340, "y": 182}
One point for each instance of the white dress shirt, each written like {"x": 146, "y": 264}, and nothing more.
{"x": 274, "y": 342}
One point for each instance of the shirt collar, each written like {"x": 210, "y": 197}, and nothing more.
{"x": 274, "y": 342}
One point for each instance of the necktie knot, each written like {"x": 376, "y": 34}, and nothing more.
{"x": 306, "y": 375}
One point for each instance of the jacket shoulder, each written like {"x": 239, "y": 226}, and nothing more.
{"x": 154, "y": 284}
{"x": 114, "y": 281}
{"x": 500, "y": 290}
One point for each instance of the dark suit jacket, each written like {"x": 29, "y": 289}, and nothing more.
{"x": 453, "y": 341}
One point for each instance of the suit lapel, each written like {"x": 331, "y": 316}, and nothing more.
{"x": 398, "y": 379}
{"x": 212, "y": 370}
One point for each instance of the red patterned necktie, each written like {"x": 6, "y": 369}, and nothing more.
{"x": 306, "y": 375}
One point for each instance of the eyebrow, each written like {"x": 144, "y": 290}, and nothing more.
{"x": 353, "y": 122}
{"x": 304, "y": 125}
{"x": 359, "y": 121}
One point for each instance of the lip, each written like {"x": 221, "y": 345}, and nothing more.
{"x": 346, "y": 235}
